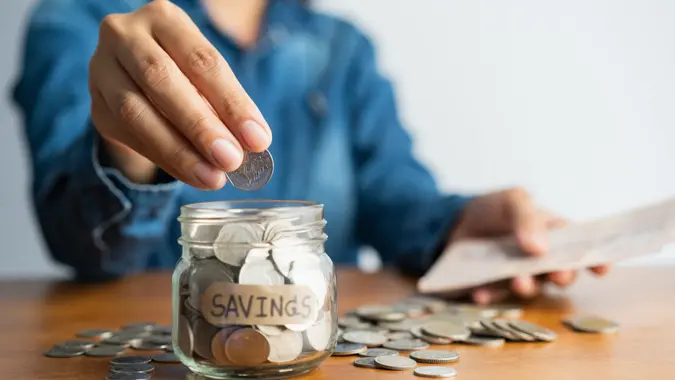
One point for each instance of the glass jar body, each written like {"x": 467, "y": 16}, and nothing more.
{"x": 254, "y": 294}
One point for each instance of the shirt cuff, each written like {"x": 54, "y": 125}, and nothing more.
{"x": 124, "y": 200}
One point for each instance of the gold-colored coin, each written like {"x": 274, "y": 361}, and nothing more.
{"x": 592, "y": 324}
{"x": 218, "y": 344}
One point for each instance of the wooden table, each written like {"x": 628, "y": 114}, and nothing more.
{"x": 38, "y": 314}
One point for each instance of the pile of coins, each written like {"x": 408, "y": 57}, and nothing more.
{"x": 268, "y": 270}
{"x": 380, "y": 334}
{"x": 145, "y": 336}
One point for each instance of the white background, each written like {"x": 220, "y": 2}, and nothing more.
{"x": 574, "y": 100}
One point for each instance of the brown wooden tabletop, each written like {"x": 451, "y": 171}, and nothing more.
{"x": 37, "y": 314}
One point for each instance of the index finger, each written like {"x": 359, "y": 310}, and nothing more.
{"x": 208, "y": 71}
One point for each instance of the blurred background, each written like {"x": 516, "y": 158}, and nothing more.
{"x": 573, "y": 100}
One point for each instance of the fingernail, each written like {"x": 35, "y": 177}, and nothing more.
{"x": 228, "y": 156}
{"x": 257, "y": 115}
{"x": 208, "y": 175}
{"x": 255, "y": 136}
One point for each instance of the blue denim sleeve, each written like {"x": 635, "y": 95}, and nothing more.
{"x": 92, "y": 218}
{"x": 402, "y": 214}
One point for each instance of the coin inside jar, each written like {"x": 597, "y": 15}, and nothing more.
{"x": 247, "y": 347}
{"x": 185, "y": 336}
{"x": 218, "y": 344}
{"x": 285, "y": 347}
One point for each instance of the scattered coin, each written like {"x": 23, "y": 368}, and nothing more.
{"x": 368, "y": 362}
{"x": 494, "y": 330}
{"x": 434, "y": 356}
{"x": 347, "y": 349}
{"x": 406, "y": 345}
{"x": 254, "y": 173}
{"x": 64, "y": 352}
{"x": 166, "y": 330}
{"x": 539, "y": 332}
{"x": 396, "y": 363}
{"x": 76, "y": 344}
{"x": 106, "y": 350}
{"x": 353, "y": 322}
{"x": 128, "y": 376}
{"x": 147, "y": 326}
{"x": 446, "y": 330}
{"x": 419, "y": 334}
{"x": 144, "y": 345}
{"x": 94, "y": 333}
{"x": 166, "y": 358}
{"x": 435, "y": 371}
{"x": 367, "y": 338}
{"x": 374, "y": 352}
{"x": 133, "y": 368}
{"x": 592, "y": 324}
{"x": 399, "y": 335}
{"x": 124, "y": 341}
{"x": 126, "y": 360}
{"x": 482, "y": 341}
{"x": 380, "y": 313}
{"x": 504, "y": 324}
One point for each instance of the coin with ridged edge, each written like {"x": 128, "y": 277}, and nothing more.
{"x": 133, "y": 368}
{"x": 446, "y": 330}
{"x": 347, "y": 349}
{"x": 434, "y": 356}
{"x": 417, "y": 333}
{"x": 395, "y": 363}
{"x": 592, "y": 324}
{"x": 375, "y": 352}
{"x": 368, "y": 362}
{"x": 103, "y": 351}
{"x": 64, "y": 352}
{"x": 166, "y": 358}
{"x": 539, "y": 332}
{"x": 76, "y": 344}
{"x": 483, "y": 341}
{"x": 435, "y": 371}
{"x": 368, "y": 338}
{"x": 254, "y": 172}
{"x": 406, "y": 345}
{"x": 126, "y": 360}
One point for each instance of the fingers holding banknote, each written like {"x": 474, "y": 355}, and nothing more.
{"x": 513, "y": 212}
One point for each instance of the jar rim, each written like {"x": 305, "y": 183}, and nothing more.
{"x": 222, "y": 210}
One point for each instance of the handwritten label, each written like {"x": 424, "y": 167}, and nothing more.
{"x": 227, "y": 303}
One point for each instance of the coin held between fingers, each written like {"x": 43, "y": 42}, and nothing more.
{"x": 255, "y": 137}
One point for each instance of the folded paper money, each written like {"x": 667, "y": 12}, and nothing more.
{"x": 608, "y": 240}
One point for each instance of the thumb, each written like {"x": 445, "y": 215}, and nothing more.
{"x": 529, "y": 225}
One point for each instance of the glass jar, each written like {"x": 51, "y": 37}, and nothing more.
{"x": 254, "y": 293}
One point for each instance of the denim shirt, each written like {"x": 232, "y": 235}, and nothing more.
{"x": 337, "y": 140}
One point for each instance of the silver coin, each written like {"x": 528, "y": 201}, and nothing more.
{"x": 401, "y": 326}
{"x": 144, "y": 345}
{"x": 234, "y": 239}
{"x": 317, "y": 337}
{"x": 285, "y": 347}
{"x": 161, "y": 340}
{"x": 447, "y": 330}
{"x": 106, "y": 350}
{"x": 539, "y": 332}
{"x": 64, "y": 352}
{"x": 399, "y": 335}
{"x": 166, "y": 358}
{"x": 277, "y": 228}
{"x": 592, "y": 324}
{"x": 306, "y": 270}
{"x": 419, "y": 334}
{"x": 505, "y": 325}
{"x": 353, "y": 322}
{"x": 368, "y": 362}
{"x": 260, "y": 273}
{"x": 375, "y": 352}
{"x": 435, "y": 371}
{"x": 124, "y": 341}
{"x": 409, "y": 309}
{"x": 164, "y": 330}
{"x": 270, "y": 330}
{"x": 95, "y": 333}
{"x": 367, "y": 338}
{"x": 494, "y": 330}
{"x": 510, "y": 312}
{"x": 128, "y": 376}
{"x": 396, "y": 363}
{"x": 434, "y": 356}
{"x": 126, "y": 360}
{"x": 483, "y": 341}
{"x": 133, "y": 368}
{"x": 406, "y": 345}
{"x": 380, "y": 313}
{"x": 347, "y": 349}
{"x": 76, "y": 344}
{"x": 254, "y": 173}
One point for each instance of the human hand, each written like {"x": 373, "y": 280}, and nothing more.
{"x": 163, "y": 95}
{"x": 513, "y": 212}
